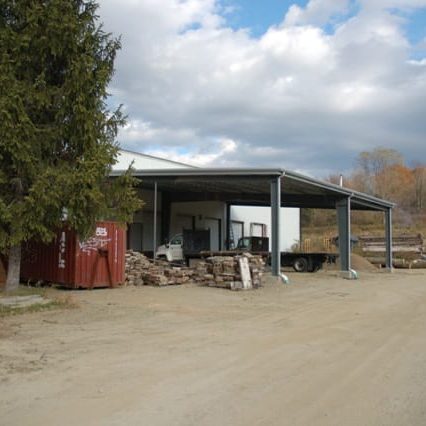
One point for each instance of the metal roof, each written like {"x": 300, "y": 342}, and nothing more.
{"x": 251, "y": 186}
{"x": 148, "y": 156}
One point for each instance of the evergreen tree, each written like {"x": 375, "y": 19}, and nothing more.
{"x": 57, "y": 136}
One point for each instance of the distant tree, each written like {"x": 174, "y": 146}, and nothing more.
{"x": 57, "y": 136}
{"x": 375, "y": 165}
{"x": 419, "y": 173}
{"x": 397, "y": 183}
{"x": 382, "y": 173}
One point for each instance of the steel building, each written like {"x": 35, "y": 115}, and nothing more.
{"x": 221, "y": 188}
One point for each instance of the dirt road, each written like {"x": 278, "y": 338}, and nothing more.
{"x": 320, "y": 351}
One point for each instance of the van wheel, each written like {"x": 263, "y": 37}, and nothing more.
{"x": 300, "y": 264}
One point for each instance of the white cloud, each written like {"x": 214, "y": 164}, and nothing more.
{"x": 317, "y": 12}
{"x": 217, "y": 151}
{"x": 197, "y": 91}
{"x": 420, "y": 63}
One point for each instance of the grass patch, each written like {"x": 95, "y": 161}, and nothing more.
{"x": 55, "y": 299}
{"x": 24, "y": 290}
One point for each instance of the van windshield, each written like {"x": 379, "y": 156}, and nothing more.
{"x": 177, "y": 240}
{"x": 243, "y": 243}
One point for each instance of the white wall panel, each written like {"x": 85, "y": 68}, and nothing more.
{"x": 206, "y": 215}
{"x": 289, "y": 223}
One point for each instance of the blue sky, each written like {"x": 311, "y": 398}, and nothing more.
{"x": 308, "y": 86}
{"x": 415, "y": 29}
{"x": 257, "y": 15}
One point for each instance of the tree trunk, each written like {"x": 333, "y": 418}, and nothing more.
{"x": 14, "y": 268}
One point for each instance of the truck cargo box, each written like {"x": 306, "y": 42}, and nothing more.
{"x": 195, "y": 241}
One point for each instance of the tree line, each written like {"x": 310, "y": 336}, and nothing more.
{"x": 383, "y": 173}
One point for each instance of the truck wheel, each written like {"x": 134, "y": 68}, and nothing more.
{"x": 316, "y": 266}
{"x": 300, "y": 264}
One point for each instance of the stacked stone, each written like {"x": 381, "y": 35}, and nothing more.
{"x": 136, "y": 263}
{"x": 203, "y": 273}
{"x": 178, "y": 275}
{"x": 224, "y": 271}
{"x": 155, "y": 276}
{"x": 257, "y": 268}
{"x": 142, "y": 271}
{"x": 216, "y": 271}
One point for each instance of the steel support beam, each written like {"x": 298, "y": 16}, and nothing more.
{"x": 388, "y": 238}
{"x": 275, "y": 226}
{"x": 165, "y": 216}
{"x": 343, "y": 208}
{"x": 154, "y": 237}
{"x": 228, "y": 227}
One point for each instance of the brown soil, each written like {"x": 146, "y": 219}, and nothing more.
{"x": 320, "y": 351}
{"x": 358, "y": 263}
{"x": 361, "y": 264}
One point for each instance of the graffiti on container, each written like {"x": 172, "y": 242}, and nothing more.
{"x": 62, "y": 246}
{"x": 99, "y": 240}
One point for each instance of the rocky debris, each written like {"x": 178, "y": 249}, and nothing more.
{"x": 216, "y": 271}
{"x": 142, "y": 271}
{"x": 225, "y": 271}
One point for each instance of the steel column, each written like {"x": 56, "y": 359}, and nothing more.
{"x": 154, "y": 237}
{"x": 165, "y": 216}
{"x": 344, "y": 225}
{"x": 388, "y": 238}
{"x": 228, "y": 226}
{"x": 275, "y": 226}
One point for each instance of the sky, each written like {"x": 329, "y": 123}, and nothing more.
{"x": 303, "y": 85}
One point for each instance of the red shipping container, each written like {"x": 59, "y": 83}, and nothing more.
{"x": 96, "y": 262}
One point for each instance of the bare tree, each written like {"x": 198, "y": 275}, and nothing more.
{"x": 374, "y": 166}
{"x": 419, "y": 173}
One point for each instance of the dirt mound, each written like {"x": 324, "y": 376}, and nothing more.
{"x": 359, "y": 263}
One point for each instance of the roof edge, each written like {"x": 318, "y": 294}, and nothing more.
{"x": 204, "y": 172}
{"x": 360, "y": 196}
{"x": 157, "y": 158}
{"x": 357, "y": 197}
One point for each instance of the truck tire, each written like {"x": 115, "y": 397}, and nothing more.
{"x": 300, "y": 264}
{"x": 316, "y": 266}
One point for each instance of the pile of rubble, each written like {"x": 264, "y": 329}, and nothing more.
{"x": 142, "y": 271}
{"x": 233, "y": 272}
{"x": 228, "y": 271}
